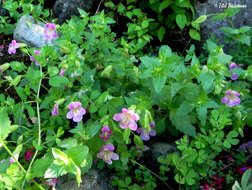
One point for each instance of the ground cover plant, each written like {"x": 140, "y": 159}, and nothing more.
{"x": 96, "y": 97}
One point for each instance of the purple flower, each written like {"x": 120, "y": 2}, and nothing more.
{"x": 12, "y": 160}
{"x": 106, "y": 153}
{"x": 51, "y": 182}
{"x": 106, "y": 133}
{"x": 62, "y": 72}
{"x": 13, "y": 46}
{"x": 0, "y": 69}
{"x": 49, "y": 31}
{"x": 1, "y": 47}
{"x": 127, "y": 119}
{"x": 231, "y": 98}
{"x": 145, "y": 134}
{"x": 76, "y": 111}
{"x": 233, "y": 65}
{"x": 55, "y": 110}
{"x": 246, "y": 147}
{"x": 33, "y": 59}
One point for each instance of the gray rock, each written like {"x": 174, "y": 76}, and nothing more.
{"x": 64, "y": 9}
{"x": 243, "y": 18}
{"x": 30, "y": 32}
{"x": 93, "y": 180}
{"x": 162, "y": 149}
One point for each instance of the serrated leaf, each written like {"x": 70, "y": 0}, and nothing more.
{"x": 79, "y": 154}
{"x": 183, "y": 124}
{"x": 5, "y": 126}
{"x": 58, "y": 81}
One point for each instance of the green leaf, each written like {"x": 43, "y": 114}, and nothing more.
{"x": 183, "y": 124}
{"x": 55, "y": 171}
{"x": 161, "y": 33}
{"x": 200, "y": 20}
{"x": 17, "y": 66}
{"x": 164, "y": 4}
{"x": 181, "y": 21}
{"x": 61, "y": 157}
{"x": 5, "y": 126}
{"x": 79, "y": 154}
{"x": 58, "y": 81}
{"x": 236, "y": 186}
{"x": 39, "y": 167}
{"x": 93, "y": 129}
{"x": 159, "y": 81}
{"x": 194, "y": 34}
{"x": 247, "y": 176}
{"x": 68, "y": 143}
{"x": 185, "y": 108}
{"x": 206, "y": 78}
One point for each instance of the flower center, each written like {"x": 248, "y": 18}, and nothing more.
{"x": 107, "y": 155}
{"x": 127, "y": 118}
{"x": 76, "y": 111}
{"x": 232, "y": 97}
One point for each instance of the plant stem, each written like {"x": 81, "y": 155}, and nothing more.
{"x": 10, "y": 153}
{"x": 39, "y": 125}
{"x": 157, "y": 176}
{"x": 20, "y": 165}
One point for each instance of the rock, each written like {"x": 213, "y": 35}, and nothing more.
{"x": 30, "y": 32}
{"x": 243, "y": 18}
{"x": 63, "y": 9}
{"x": 93, "y": 180}
{"x": 162, "y": 149}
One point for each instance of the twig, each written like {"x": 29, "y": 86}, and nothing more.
{"x": 157, "y": 176}
{"x": 232, "y": 163}
{"x": 98, "y": 7}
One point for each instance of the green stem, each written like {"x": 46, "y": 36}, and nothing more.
{"x": 22, "y": 168}
{"x": 10, "y": 153}
{"x": 39, "y": 125}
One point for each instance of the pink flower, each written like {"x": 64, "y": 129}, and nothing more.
{"x": 33, "y": 59}
{"x": 231, "y": 98}
{"x": 106, "y": 153}
{"x": 12, "y": 160}
{"x": 49, "y": 31}
{"x": 55, "y": 110}
{"x": 0, "y": 69}
{"x": 13, "y": 46}
{"x": 145, "y": 134}
{"x": 127, "y": 119}
{"x": 233, "y": 65}
{"x": 76, "y": 111}
{"x": 62, "y": 72}
{"x": 106, "y": 133}
{"x": 51, "y": 182}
